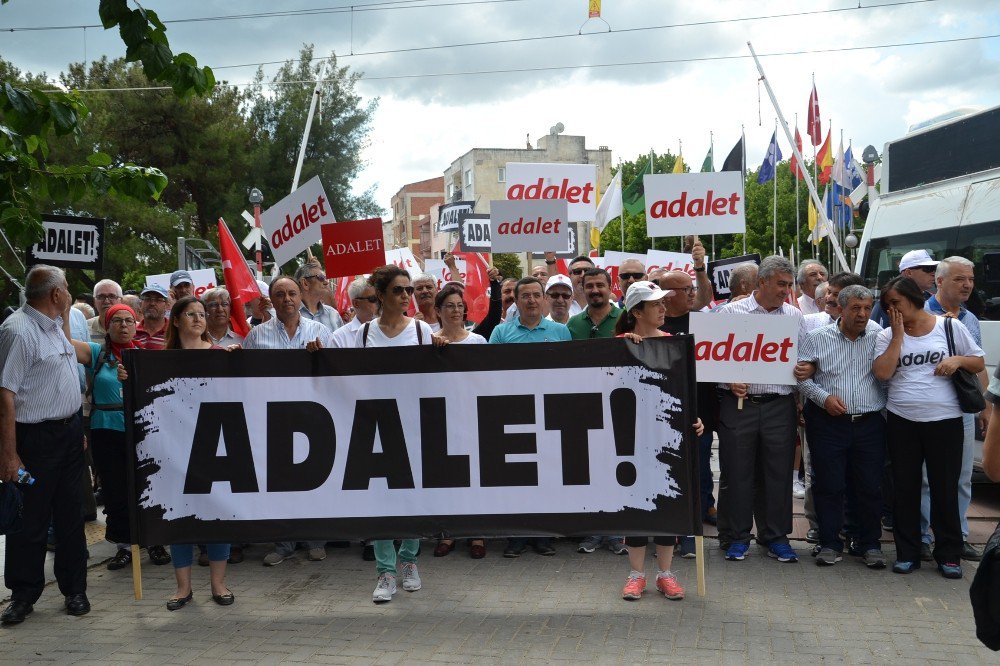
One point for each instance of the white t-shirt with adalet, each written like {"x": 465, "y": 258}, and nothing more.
{"x": 408, "y": 336}
{"x": 915, "y": 392}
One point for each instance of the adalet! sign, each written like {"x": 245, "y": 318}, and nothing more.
{"x": 353, "y": 248}
{"x": 474, "y": 235}
{"x": 694, "y": 203}
{"x": 574, "y": 183}
{"x": 70, "y": 242}
{"x": 293, "y": 224}
{"x": 528, "y": 226}
{"x": 745, "y": 348}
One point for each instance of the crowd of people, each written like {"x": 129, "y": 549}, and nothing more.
{"x": 873, "y": 435}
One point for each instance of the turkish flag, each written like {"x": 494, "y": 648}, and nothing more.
{"x": 814, "y": 124}
{"x": 477, "y": 282}
{"x": 341, "y": 299}
{"x": 240, "y": 282}
{"x": 794, "y": 164}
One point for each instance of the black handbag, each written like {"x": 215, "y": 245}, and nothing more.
{"x": 985, "y": 594}
{"x": 11, "y": 508}
{"x": 970, "y": 392}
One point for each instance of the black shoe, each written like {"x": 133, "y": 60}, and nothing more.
{"x": 970, "y": 553}
{"x": 77, "y": 604}
{"x": 177, "y": 603}
{"x": 16, "y": 611}
{"x": 513, "y": 551}
{"x": 226, "y": 599}
{"x": 122, "y": 559}
{"x": 926, "y": 552}
{"x": 368, "y": 553}
{"x": 812, "y": 536}
{"x": 158, "y": 555}
{"x": 544, "y": 548}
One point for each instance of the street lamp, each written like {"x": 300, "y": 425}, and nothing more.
{"x": 257, "y": 198}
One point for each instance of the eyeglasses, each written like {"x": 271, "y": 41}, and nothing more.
{"x": 154, "y": 299}
{"x": 107, "y": 297}
{"x": 368, "y": 299}
{"x": 194, "y": 315}
{"x": 453, "y": 306}
{"x": 631, "y": 276}
{"x": 397, "y": 290}
{"x": 118, "y": 321}
{"x": 578, "y": 271}
{"x": 218, "y": 305}
{"x": 563, "y": 296}
{"x": 319, "y": 276}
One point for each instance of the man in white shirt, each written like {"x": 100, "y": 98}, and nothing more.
{"x": 559, "y": 294}
{"x": 312, "y": 283}
{"x": 106, "y": 294}
{"x": 365, "y": 303}
{"x": 811, "y": 274}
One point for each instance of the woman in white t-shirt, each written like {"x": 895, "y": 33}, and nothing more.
{"x": 392, "y": 328}
{"x": 924, "y": 423}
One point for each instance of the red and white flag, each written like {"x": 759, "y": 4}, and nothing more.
{"x": 814, "y": 125}
{"x": 794, "y": 166}
{"x": 240, "y": 282}
{"x": 477, "y": 283}
{"x": 342, "y": 300}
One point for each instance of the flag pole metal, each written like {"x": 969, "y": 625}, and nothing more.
{"x": 820, "y": 214}
{"x": 305, "y": 137}
{"x": 813, "y": 238}
{"x": 743, "y": 173}
{"x": 795, "y": 176}
{"x": 774, "y": 207}
{"x": 711, "y": 165}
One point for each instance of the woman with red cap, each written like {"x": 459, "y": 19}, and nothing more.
{"x": 107, "y": 428}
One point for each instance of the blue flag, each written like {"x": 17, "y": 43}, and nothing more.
{"x": 852, "y": 170}
{"x": 837, "y": 211}
{"x": 771, "y": 160}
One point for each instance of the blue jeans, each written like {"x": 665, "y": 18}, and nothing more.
{"x": 705, "y": 463}
{"x": 843, "y": 450}
{"x": 385, "y": 554}
{"x": 964, "y": 484}
{"x": 182, "y": 554}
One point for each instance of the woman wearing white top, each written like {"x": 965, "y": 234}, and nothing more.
{"x": 392, "y": 328}
{"x": 924, "y": 422}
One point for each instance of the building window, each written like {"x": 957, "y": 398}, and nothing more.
{"x": 501, "y": 174}
{"x": 451, "y": 190}
{"x": 468, "y": 177}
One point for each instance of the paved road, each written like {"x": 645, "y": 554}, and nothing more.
{"x": 533, "y": 609}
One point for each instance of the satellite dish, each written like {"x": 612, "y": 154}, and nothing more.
{"x": 560, "y": 128}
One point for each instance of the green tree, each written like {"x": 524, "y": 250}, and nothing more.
{"x": 509, "y": 265}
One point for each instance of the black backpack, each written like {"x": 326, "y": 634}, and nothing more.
{"x": 11, "y": 508}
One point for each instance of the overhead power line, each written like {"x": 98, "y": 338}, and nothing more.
{"x": 633, "y": 63}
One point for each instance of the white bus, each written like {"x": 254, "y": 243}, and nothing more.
{"x": 940, "y": 191}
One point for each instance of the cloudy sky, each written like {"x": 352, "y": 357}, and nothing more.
{"x": 668, "y": 72}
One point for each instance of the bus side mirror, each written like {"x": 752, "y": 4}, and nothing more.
{"x": 991, "y": 267}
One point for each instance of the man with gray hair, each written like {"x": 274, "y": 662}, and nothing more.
{"x": 365, "y": 303}
{"x": 955, "y": 280}
{"x": 811, "y": 274}
{"x": 312, "y": 283}
{"x": 218, "y": 306}
{"x": 106, "y": 294}
{"x": 741, "y": 281}
{"x": 41, "y": 434}
{"x": 843, "y": 406}
{"x": 425, "y": 290}
{"x": 757, "y": 441}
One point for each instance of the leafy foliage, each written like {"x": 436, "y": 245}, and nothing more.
{"x": 509, "y": 265}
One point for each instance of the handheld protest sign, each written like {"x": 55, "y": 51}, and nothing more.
{"x": 70, "y": 242}
{"x": 720, "y": 271}
{"x": 203, "y": 279}
{"x": 681, "y": 204}
{"x": 745, "y": 348}
{"x": 383, "y": 447}
{"x": 449, "y": 215}
{"x": 404, "y": 258}
{"x": 670, "y": 261}
{"x": 528, "y": 226}
{"x": 474, "y": 234}
{"x": 441, "y": 272}
{"x": 568, "y": 251}
{"x": 353, "y": 248}
{"x": 576, "y": 184}
{"x": 293, "y": 224}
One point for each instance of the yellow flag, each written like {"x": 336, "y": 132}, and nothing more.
{"x": 595, "y": 238}
{"x": 812, "y": 216}
{"x": 679, "y": 164}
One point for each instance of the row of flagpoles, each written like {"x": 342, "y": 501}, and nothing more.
{"x": 840, "y": 174}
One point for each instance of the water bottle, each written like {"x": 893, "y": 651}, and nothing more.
{"x": 24, "y": 478}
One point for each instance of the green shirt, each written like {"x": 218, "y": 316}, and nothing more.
{"x": 581, "y": 327}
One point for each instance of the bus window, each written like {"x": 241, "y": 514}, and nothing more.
{"x": 882, "y": 260}
{"x": 975, "y": 242}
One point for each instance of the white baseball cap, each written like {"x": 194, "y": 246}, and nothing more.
{"x": 915, "y": 258}
{"x": 263, "y": 288}
{"x": 639, "y": 292}
{"x": 558, "y": 279}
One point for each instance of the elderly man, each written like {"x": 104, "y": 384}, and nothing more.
{"x": 598, "y": 319}
{"x": 843, "y": 403}
{"x": 151, "y": 333}
{"x": 742, "y": 280}
{"x": 312, "y": 284}
{"x": 629, "y": 272}
{"x": 811, "y": 274}
{"x": 181, "y": 285}
{"x": 425, "y": 289}
{"x": 919, "y": 266}
{"x": 529, "y": 326}
{"x": 365, "y": 303}
{"x": 507, "y": 297}
{"x": 955, "y": 281}
{"x": 106, "y": 294}
{"x": 558, "y": 295}
{"x": 41, "y": 434}
{"x": 289, "y": 329}
{"x": 757, "y": 442}
{"x": 219, "y": 306}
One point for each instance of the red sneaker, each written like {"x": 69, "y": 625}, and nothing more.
{"x": 670, "y": 587}
{"x": 634, "y": 587}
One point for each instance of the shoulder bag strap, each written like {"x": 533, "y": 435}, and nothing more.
{"x": 949, "y": 335}
{"x": 420, "y": 332}
{"x": 364, "y": 338}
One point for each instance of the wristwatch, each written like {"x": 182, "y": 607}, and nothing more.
{"x": 699, "y": 269}
{"x": 550, "y": 262}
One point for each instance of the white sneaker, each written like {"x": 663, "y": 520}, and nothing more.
{"x": 411, "y": 579}
{"x": 384, "y": 589}
{"x": 798, "y": 489}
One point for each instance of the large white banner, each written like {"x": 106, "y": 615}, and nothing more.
{"x": 680, "y": 204}
{"x": 293, "y": 224}
{"x": 745, "y": 348}
{"x": 575, "y": 183}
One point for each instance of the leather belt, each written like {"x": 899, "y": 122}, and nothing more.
{"x": 854, "y": 418}
{"x": 761, "y": 398}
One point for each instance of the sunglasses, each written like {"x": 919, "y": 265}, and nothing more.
{"x": 928, "y": 269}
{"x": 563, "y": 296}
{"x": 397, "y": 290}
{"x": 368, "y": 299}
{"x": 578, "y": 271}
{"x": 322, "y": 278}
{"x": 631, "y": 276}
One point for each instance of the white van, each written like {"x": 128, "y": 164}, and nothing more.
{"x": 940, "y": 191}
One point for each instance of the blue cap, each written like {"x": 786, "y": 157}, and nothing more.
{"x": 155, "y": 289}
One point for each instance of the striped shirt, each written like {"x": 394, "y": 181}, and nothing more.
{"x": 272, "y": 335}
{"x": 151, "y": 340}
{"x": 230, "y": 338}
{"x": 38, "y": 365}
{"x": 749, "y": 305}
{"x": 843, "y": 368}
{"x": 326, "y": 315}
